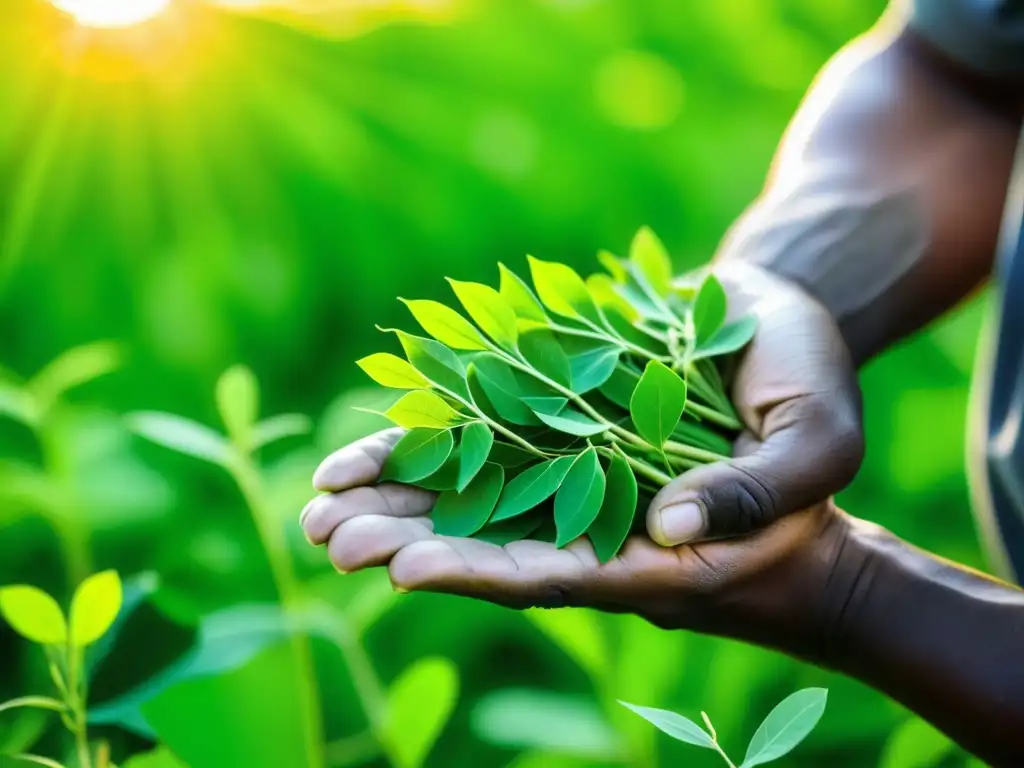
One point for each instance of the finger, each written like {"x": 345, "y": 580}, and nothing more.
{"x": 371, "y": 540}
{"x": 358, "y": 463}
{"x": 812, "y": 450}
{"x": 325, "y": 513}
{"x": 521, "y": 574}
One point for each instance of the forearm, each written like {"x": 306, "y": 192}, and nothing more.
{"x": 885, "y": 197}
{"x": 946, "y": 642}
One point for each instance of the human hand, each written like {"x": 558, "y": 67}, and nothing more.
{"x": 796, "y": 391}
{"x": 768, "y": 588}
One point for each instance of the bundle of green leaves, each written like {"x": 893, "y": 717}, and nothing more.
{"x": 557, "y": 411}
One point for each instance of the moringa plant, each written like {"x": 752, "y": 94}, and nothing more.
{"x": 37, "y": 617}
{"x": 784, "y": 728}
{"x": 552, "y": 409}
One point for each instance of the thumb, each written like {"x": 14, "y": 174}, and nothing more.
{"x": 811, "y": 455}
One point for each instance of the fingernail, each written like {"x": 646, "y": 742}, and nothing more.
{"x": 680, "y": 523}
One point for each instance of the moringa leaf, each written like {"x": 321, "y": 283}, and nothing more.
{"x": 445, "y": 324}
{"x": 618, "y": 508}
{"x": 678, "y": 727}
{"x": 475, "y": 446}
{"x": 514, "y": 529}
{"x": 519, "y": 297}
{"x": 73, "y": 368}
{"x": 463, "y": 513}
{"x": 33, "y": 614}
{"x": 502, "y": 389}
{"x": 392, "y": 371}
{"x": 648, "y": 254}
{"x": 541, "y": 349}
{"x": 613, "y": 265}
{"x": 435, "y": 361}
{"x": 418, "y": 455}
{"x": 579, "y": 499}
{"x": 532, "y": 487}
{"x": 445, "y": 478}
{"x": 606, "y": 295}
{"x": 786, "y": 726}
{"x": 709, "y": 309}
{"x": 547, "y": 405}
{"x": 510, "y": 456}
{"x": 657, "y": 403}
{"x": 94, "y": 607}
{"x": 728, "y": 339}
{"x": 620, "y": 386}
{"x": 489, "y": 311}
{"x": 279, "y": 427}
{"x": 563, "y": 291}
{"x": 572, "y": 422}
{"x": 589, "y": 370}
{"x": 421, "y": 408}
{"x": 182, "y": 435}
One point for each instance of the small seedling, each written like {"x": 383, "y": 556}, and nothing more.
{"x": 584, "y": 393}
{"x": 37, "y": 617}
{"x": 784, "y": 728}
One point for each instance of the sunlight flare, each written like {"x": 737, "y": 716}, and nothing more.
{"x": 111, "y": 13}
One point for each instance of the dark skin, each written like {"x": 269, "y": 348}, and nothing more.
{"x": 890, "y": 123}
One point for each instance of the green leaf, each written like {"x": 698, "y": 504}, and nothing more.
{"x": 620, "y": 386}
{"x": 541, "y": 349}
{"x": 648, "y": 254}
{"x": 489, "y": 311}
{"x": 579, "y": 499}
{"x": 238, "y": 403}
{"x": 16, "y": 403}
{"x": 709, "y": 309}
{"x": 422, "y": 408}
{"x": 419, "y": 454}
{"x": 463, "y": 513}
{"x": 916, "y": 744}
{"x": 392, "y": 371}
{"x": 613, "y": 523}
{"x": 606, "y": 295}
{"x": 786, "y": 726}
{"x": 278, "y": 428}
{"x": 613, "y": 264}
{"x": 73, "y": 368}
{"x": 475, "y": 445}
{"x": 445, "y": 478}
{"x": 552, "y": 406}
{"x": 435, "y": 361}
{"x": 572, "y": 422}
{"x": 532, "y": 487}
{"x": 510, "y": 456}
{"x": 514, "y": 529}
{"x": 33, "y": 614}
{"x": 94, "y": 607}
{"x": 678, "y": 727}
{"x": 182, "y": 435}
{"x": 517, "y": 294}
{"x": 420, "y": 702}
{"x": 562, "y": 290}
{"x": 590, "y": 370}
{"x": 502, "y": 389}
{"x": 445, "y": 324}
{"x": 657, "y": 403}
{"x": 728, "y": 339}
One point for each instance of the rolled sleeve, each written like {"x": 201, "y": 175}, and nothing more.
{"x": 986, "y": 36}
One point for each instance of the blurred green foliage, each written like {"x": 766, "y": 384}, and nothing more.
{"x": 219, "y": 188}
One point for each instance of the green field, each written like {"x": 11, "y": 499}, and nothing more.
{"x": 216, "y": 188}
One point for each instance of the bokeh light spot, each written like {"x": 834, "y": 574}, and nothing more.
{"x": 638, "y": 90}
{"x": 111, "y": 13}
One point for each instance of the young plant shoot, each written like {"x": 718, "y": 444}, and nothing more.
{"x": 554, "y": 411}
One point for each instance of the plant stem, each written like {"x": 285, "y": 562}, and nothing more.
{"x": 645, "y": 470}
{"x": 369, "y": 689}
{"x": 712, "y": 415}
{"x": 617, "y": 340}
{"x": 725, "y": 757}
{"x": 274, "y": 544}
{"x": 352, "y": 750}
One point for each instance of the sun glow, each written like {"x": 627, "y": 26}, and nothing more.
{"x": 111, "y": 13}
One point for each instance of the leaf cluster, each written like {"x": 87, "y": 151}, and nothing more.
{"x": 549, "y": 410}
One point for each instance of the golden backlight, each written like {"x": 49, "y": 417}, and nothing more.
{"x": 111, "y": 13}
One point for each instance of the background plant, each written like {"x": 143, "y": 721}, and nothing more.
{"x": 594, "y": 395}
{"x": 263, "y": 194}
